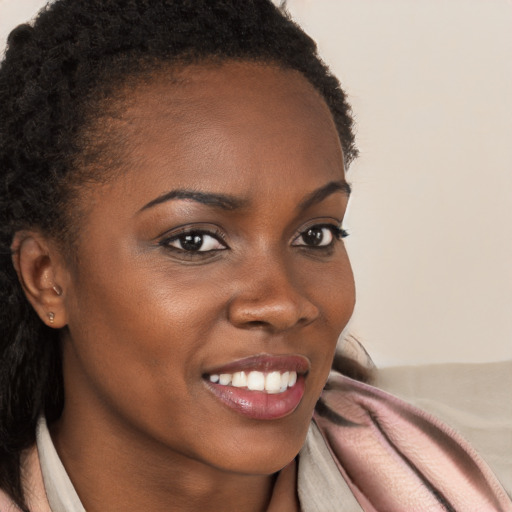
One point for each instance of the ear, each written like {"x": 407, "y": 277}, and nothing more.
{"x": 42, "y": 274}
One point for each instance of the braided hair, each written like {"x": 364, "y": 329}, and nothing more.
{"x": 55, "y": 73}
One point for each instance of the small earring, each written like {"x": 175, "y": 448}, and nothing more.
{"x": 57, "y": 289}
{"x": 51, "y": 316}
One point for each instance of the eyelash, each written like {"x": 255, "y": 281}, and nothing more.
{"x": 215, "y": 234}
{"x": 337, "y": 232}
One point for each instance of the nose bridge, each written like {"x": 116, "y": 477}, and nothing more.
{"x": 268, "y": 293}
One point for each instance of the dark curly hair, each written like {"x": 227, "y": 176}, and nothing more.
{"x": 53, "y": 81}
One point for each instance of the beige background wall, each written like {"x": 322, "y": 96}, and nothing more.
{"x": 431, "y": 220}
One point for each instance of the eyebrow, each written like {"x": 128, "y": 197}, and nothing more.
{"x": 317, "y": 196}
{"x": 222, "y": 201}
{"x": 228, "y": 202}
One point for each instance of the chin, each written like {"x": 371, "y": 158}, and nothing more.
{"x": 265, "y": 449}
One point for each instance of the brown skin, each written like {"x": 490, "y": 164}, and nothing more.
{"x": 143, "y": 322}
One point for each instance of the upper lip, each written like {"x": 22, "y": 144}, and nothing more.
{"x": 265, "y": 363}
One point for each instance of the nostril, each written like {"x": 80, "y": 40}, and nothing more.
{"x": 257, "y": 323}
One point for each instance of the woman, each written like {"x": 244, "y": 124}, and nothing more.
{"x": 174, "y": 276}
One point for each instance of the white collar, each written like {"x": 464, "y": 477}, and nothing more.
{"x": 60, "y": 492}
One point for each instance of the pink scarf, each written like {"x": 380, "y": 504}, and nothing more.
{"x": 397, "y": 458}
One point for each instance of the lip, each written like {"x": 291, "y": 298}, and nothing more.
{"x": 265, "y": 363}
{"x": 258, "y": 404}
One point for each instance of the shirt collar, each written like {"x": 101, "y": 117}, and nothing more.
{"x": 60, "y": 492}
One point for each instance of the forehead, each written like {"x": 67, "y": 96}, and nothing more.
{"x": 229, "y": 125}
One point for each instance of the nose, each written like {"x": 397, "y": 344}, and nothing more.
{"x": 269, "y": 297}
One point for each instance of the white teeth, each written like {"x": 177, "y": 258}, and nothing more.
{"x": 225, "y": 379}
{"x": 256, "y": 381}
{"x": 273, "y": 382}
{"x": 239, "y": 380}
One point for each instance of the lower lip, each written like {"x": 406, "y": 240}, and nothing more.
{"x": 258, "y": 404}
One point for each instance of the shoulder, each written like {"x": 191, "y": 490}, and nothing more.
{"x": 395, "y": 454}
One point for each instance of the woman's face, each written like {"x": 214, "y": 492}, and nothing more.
{"x": 215, "y": 251}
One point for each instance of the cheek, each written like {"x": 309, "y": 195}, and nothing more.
{"x": 333, "y": 289}
{"x": 134, "y": 324}
{"x": 139, "y": 315}
{"x": 338, "y": 297}
{"x": 137, "y": 342}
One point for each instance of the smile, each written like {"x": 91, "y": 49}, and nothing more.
{"x": 263, "y": 387}
{"x": 272, "y": 382}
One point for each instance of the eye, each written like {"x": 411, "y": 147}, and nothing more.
{"x": 319, "y": 236}
{"x": 195, "y": 241}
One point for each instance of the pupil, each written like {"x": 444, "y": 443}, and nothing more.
{"x": 313, "y": 236}
{"x": 192, "y": 242}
